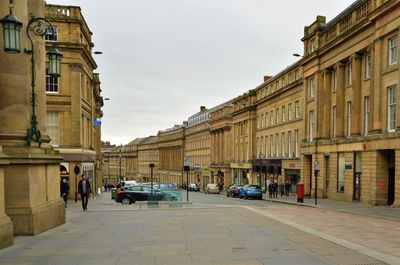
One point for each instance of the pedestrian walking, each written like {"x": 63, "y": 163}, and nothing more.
{"x": 64, "y": 190}
{"x": 84, "y": 190}
{"x": 287, "y": 188}
{"x": 270, "y": 190}
{"x": 275, "y": 189}
{"x": 281, "y": 188}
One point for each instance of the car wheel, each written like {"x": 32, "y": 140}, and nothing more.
{"x": 126, "y": 201}
{"x": 245, "y": 196}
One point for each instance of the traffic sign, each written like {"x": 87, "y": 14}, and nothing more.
{"x": 186, "y": 161}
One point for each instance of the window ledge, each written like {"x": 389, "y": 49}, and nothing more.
{"x": 390, "y": 69}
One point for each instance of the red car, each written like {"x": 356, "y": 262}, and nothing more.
{"x": 234, "y": 190}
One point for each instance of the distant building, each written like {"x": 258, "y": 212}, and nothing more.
{"x": 279, "y": 128}
{"x": 197, "y": 147}
{"x": 171, "y": 144}
{"x": 148, "y": 153}
{"x": 221, "y": 144}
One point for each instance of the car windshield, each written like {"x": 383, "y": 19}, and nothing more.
{"x": 254, "y": 187}
{"x": 148, "y": 189}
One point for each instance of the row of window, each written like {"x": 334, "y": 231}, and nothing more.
{"x": 392, "y": 59}
{"x": 241, "y": 129}
{"x": 279, "y": 145}
{"x": 289, "y": 78}
{"x": 53, "y": 129}
{"x": 391, "y": 115}
{"x": 198, "y": 119}
{"x": 196, "y": 144}
{"x": 201, "y": 160}
{"x": 268, "y": 119}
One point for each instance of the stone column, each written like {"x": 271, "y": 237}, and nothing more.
{"x": 340, "y": 100}
{"x": 324, "y": 104}
{"x": 376, "y": 89}
{"x": 6, "y": 226}
{"x": 31, "y": 179}
{"x": 220, "y": 145}
{"x": 396, "y": 203}
{"x": 356, "y": 99}
{"x": 76, "y": 112}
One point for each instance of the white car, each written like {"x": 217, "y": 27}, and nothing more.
{"x": 212, "y": 188}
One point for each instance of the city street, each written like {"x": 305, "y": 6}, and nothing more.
{"x": 213, "y": 229}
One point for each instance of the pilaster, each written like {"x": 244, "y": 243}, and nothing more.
{"x": 340, "y": 100}
{"x": 396, "y": 203}
{"x": 376, "y": 89}
{"x": 356, "y": 97}
{"x": 6, "y": 226}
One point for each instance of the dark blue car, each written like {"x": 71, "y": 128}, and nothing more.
{"x": 251, "y": 191}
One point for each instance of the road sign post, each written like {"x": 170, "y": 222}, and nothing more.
{"x": 316, "y": 174}
{"x": 186, "y": 168}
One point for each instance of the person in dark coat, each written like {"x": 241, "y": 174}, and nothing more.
{"x": 270, "y": 190}
{"x": 281, "y": 188}
{"x": 287, "y": 188}
{"x": 64, "y": 190}
{"x": 275, "y": 189}
{"x": 84, "y": 190}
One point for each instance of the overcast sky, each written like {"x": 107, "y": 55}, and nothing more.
{"x": 163, "y": 59}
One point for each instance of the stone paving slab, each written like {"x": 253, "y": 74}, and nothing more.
{"x": 313, "y": 222}
{"x": 191, "y": 235}
{"x": 342, "y": 206}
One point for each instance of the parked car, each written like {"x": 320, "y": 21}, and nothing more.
{"x": 251, "y": 191}
{"x": 164, "y": 186}
{"x": 212, "y": 188}
{"x": 130, "y": 194}
{"x": 193, "y": 187}
{"x": 234, "y": 190}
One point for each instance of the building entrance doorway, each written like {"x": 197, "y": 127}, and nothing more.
{"x": 391, "y": 186}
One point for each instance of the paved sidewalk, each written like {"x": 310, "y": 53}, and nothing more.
{"x": 187, "y": 236}
{"x": 342, "y": 206}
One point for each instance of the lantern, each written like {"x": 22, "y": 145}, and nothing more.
{"x": 54, "y": 62}
{"x": 11, "y": 33}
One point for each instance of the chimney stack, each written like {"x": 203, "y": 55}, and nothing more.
{"x": 266, "y": 77}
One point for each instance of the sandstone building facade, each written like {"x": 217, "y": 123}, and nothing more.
{"x": 171, "y": 146}
{"x": 221, "y": 145}
{"x": 351, "y": 121}
{"x": 197, "y": 148}
{"x": 244, "y": 140}
{"x": 334, "y": 110}
{"x": 279, "y": 128}
{"x": 73, "y": 100}
{"x": 148, "y": 153}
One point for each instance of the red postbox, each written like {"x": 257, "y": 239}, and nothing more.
{"x": 300, "y": 192}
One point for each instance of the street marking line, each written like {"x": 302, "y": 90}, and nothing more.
{"x": 389, "y": 259}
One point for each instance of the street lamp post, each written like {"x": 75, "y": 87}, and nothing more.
{"x": 120, "y": 174}
{"x": 151, "y": 176}
{"x": 39, "y": 26}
